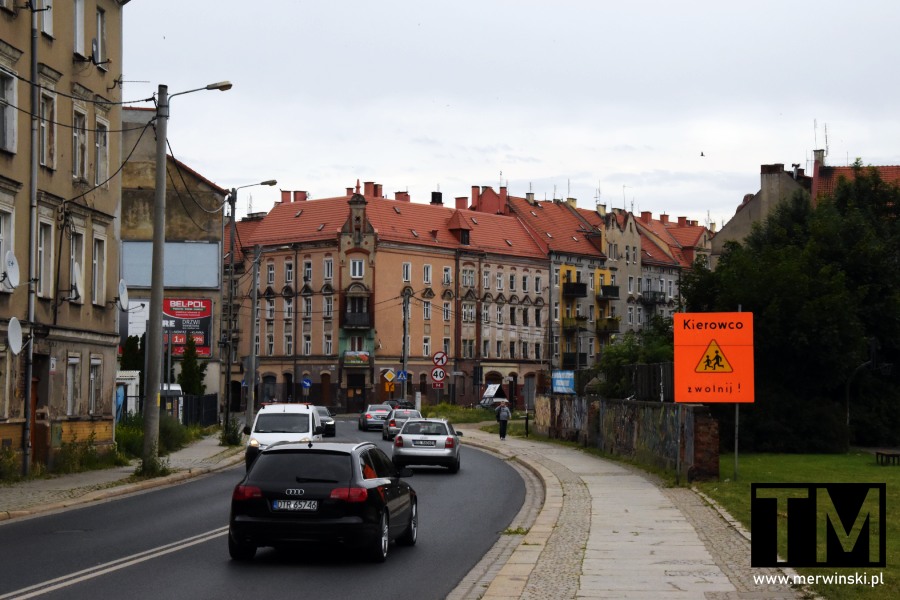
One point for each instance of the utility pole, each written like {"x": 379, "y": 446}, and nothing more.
{"x": 405, "y": 341}
{"x": 232, "y": 199}
{"x": 251, "y": 366}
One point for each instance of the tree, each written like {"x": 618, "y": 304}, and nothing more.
{"x": 192, "y": 370}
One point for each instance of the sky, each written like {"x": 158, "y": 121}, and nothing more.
{"x": 661, "y": 106}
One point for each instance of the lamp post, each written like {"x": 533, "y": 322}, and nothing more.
{"x": 157, "y": 278}
{"x": 232, "y": 200}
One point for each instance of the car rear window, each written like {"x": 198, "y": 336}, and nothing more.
{"x": 425, "y": 428}
{"x": 299, "y": 467}
{"x": 380, "y": 407}
{"x": 407, "y": 414}
{"x": 283, "y": 423}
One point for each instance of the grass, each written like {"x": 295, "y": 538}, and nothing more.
{"x": 855, "y": 467}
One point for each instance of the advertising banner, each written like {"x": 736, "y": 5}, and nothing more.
{"x": 183, "y": 317}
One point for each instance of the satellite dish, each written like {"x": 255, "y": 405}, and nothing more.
{"x": 10, "y": 277}
{"x": 95, "y": 50}
{"x": 14, "y": 335}
{"x": 122, "y": 300}
{"x": 77, "y": 285}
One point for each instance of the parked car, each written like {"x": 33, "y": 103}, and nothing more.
{"x": 327, "y": 418}
{"x": 373, "y": 417}
{"x": 330, "y": 492}
{"x": 395, "y": 420}
{"x": 282, "y": 423}
{"x": 399, "y": 403}
{"x": 427, "y": 442}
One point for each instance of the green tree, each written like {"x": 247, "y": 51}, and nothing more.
{"x": 133, "y": 356}
{"x": 192, "y": 370}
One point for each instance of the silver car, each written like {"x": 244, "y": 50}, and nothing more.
{"x": 395, "y": 420}
{"x": 373, "y": 417}
{"x": 427, "y": 442}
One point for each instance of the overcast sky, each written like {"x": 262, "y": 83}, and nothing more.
{"x": 562, "y": 97}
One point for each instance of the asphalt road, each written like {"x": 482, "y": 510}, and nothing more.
{"x": 170, "y": 543}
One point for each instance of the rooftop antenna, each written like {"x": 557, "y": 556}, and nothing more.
{"x": 623, "y": 196}
{"x": 250, "y": 204}
{"x": 826, "y": 139}
{"x": 816, "y": 134}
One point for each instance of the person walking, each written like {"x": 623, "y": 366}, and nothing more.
{"x": 503, "y": 415}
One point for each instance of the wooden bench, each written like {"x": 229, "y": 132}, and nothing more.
{"x": 887, "y": 457}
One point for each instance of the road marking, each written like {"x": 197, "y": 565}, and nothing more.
{"x": 45, "y": 587}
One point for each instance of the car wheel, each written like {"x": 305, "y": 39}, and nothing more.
{"x": 377, "y": 550}
{"x": 454, "y": 468}
{"x": 411, "y": 534}
{"x": 240, "y": 551}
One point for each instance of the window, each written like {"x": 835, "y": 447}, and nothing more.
{"x": 95, "y": 384}
{"x": 270, "y": 308}
{"x": 356, "y": 268}
{"x": 499, "y": 282}
{"x": 288, "y": 309}
{"x": 426, "y": 273}
{"x": 45, "y": 15}
{"x": 8, "y": 118}
{"x": 307, "y": 307}
{"x": 329, "y": 306}
{"x": 468, "y": 312}
{"x": 329, "y": 269}
{"x": 556, "y": 311}
{"x": 537, "y": 351}
{"x": 525, "y": 316}
{"x": 101, "y": 152}
{"x": 270, "y": 273}
{"x": 486, "y": 280}
{"x": 556, "y": 277}
{"x": 512, "y": 349}
{"x": 426, "y": 346}
{"x": 537, "y": 317}
{"x": 671, "y": 288}
{"x": 468, "y": 277}
{"x": 485, "y": 313}
{"x": 78, "y": 10}
{"x": 447, "y": 346}
{"x": 47, "y": 149}
{"x": 524, "y": 349}
{"x": 76, "y": 257}
{"x": 512, "y": 315}
{"x": 73, "y": 375}
{"x": 512, "y": 282}
{"x": 499, "y": 349}
{"x": 630, "y": 284}
{"x": 426, "y": 310}
{"x": 537, "y": 284}
{"x": 327, "y": 344}
{"x": 499, "y": 315}
{"x": 357, "y": 345}
{"x": 591, "y": 282}
{"x": 270, "y": 339}
{"x": 630, "y": 314}
{"x": 79, "y": 145}
{"x": 446, "y": 311}
{"x": 6, "y": 241}
{"x": 486, "y": 349}
{"x": 288, "y": 339}
{"x": 525, "y": 283}
{"x": 44, "y": 284}
{"x": 406, "y": 271}
{"x": 101, "y": 36}
{"x": 256, "y": 342}
{"x": 288, "y": 271}
{"x": 627, "y": 254}
{"x": 307, "y": 345}
{"x": 307, "y": 271}
{"x": 555, "y": 345}
{"x": 448, "y": 277}
{"x": 98, "y": 271}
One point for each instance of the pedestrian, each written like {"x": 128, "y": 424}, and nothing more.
{"x": 503, "y": 415}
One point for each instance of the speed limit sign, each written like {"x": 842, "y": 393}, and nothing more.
{"x": 438, "y": 374}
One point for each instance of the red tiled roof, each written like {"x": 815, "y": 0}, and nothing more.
{"x": 826, "y": 178}
{"x": 557, "y": 226}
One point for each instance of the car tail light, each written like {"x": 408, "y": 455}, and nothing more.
{"x": 246, "y": 492}
{"x": 350, "y": 494}
{"x": 393, "y": 423}
{"x": 398, "y": 441}
{"x": 368, "y": 416}
{"x": 449, "y": 443}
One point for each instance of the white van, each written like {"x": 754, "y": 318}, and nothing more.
{"x": 282, "y": 423}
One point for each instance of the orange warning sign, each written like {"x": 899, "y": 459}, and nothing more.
{"x": 714, "y": 357}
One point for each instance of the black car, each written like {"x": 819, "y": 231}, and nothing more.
{"x": 327, "y": 418}
{"x": 344, "y": 493}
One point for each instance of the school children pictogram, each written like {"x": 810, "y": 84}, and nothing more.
{"x": 713, "y": 360}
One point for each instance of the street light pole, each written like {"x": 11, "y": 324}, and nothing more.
{"x": 157, "y": 279}
{"x": 251, "y": 367}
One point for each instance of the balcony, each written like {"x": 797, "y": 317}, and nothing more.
{"x": 357, "y": 320}
{"x": 653, "y": 297}
{"x": 574, "y": 290}
{"x": 608, "y": 292}
{"x": 608, "y": 325}
{"x": 573, "y": 323}
{"x": 574, "y": 360}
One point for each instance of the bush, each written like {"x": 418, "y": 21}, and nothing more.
{"x": 10, "y": 465}
{"x": 172, "y": 435}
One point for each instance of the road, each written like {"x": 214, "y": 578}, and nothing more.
{"x": 170, "y": 543}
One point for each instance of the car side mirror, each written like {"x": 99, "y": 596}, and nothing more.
{"x": 246, "y": 430}
{"x": 459, "y": 433}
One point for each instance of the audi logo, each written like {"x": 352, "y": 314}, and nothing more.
{"x": 294, "y": 492}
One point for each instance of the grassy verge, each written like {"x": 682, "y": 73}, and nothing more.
{"x": 855, "y": 467}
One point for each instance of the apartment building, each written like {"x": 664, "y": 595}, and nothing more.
{"x": 59, "y": 219}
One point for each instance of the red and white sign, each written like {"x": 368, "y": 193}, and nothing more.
{"x": 439, "y": 358}
{"x": 438, "y": 374}
{"x": 183, "y": 317}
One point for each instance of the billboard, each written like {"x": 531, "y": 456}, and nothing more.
{"x": 183, "y": 317}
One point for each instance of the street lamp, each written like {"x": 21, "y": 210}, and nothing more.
{"x": 232, "y": 199}
{"x": 157, "y": 277}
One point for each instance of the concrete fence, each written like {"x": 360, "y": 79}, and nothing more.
{"x": 683, "y": 438}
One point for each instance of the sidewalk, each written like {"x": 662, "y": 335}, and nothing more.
{"x": 590, "y": 528}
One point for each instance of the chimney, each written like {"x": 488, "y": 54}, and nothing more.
{"x": 462, "y": 203}
{"x": 529, "y": 197}
{"x": 285, "y": 196}
{"x": 712, "y": 227}
{"x": 378, "y": 192}
{"x": 571, "y": 202}
{"x": 682, "y": 221}
{"x": 646, "y": 216}
{"x": 437, "y": 198}
{"x": 819, "y": 157}
{"x": 503, "y": 195}
{"x": 601, "y": 209}
{"x": 401, "y": 196}
{"x": 300, "y": 196}
{"x": 369, "y": 188}
{"x": 664, "y": 218}
{"x": 475, "y": 195}
{"x": 797, "y": 170}
{"x": 349, "y": 191}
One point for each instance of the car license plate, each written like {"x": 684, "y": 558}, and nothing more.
{"x": 423, "y": 442}
{"x": 295, "y": 504}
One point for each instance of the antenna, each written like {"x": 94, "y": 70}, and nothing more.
{"x": 122, "y": 299}
{"x": 815, "y": 134}
{"x": 826, "y": 139}
{"x": 14, "y": 336}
